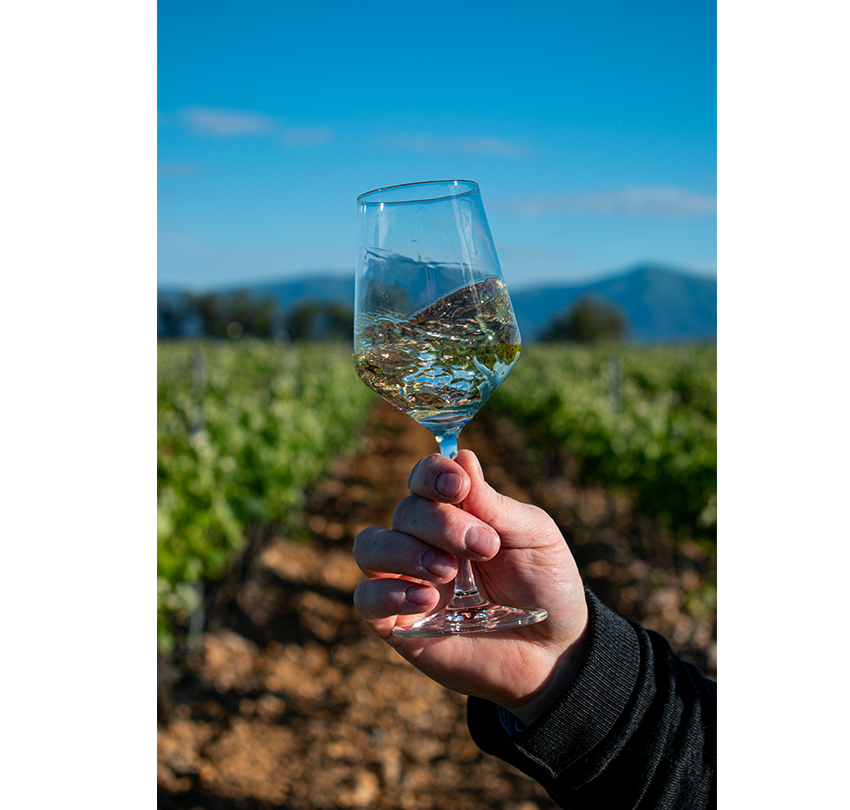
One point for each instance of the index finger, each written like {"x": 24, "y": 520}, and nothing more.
{"x": 438, "y": 478}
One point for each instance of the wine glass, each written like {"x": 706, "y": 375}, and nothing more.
{"x": 435, "y": 335}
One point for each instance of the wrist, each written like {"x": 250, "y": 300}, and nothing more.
{"x": 563, "y": 673}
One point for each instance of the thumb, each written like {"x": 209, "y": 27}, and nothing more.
{"x": 517, "y": 524}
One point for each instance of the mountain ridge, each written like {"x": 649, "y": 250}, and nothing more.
{"x": 661, "y": 304}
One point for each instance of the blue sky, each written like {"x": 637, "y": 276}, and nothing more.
{"x": 591, "y": 129}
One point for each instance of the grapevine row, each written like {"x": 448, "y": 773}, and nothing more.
{"x": 641, "y": 418}
{"x": 243, "y": 430}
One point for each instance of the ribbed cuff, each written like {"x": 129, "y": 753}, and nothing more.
{"x": 584, "y": 714}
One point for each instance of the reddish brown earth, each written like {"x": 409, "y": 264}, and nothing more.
{"x": 288, "y": 701}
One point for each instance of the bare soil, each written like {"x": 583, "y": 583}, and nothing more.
{"x": 286, "y": 700}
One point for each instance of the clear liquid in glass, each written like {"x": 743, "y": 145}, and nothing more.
{"x": 440, "y": 365}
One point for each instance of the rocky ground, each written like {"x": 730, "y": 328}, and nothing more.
{"x": 287, "y": 701}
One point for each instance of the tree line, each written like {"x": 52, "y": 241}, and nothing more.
{"x": 238, "y": 314}
{"x": 589, "y": 320}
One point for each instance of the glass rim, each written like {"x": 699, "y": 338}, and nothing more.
{"x": 473, "y": 188}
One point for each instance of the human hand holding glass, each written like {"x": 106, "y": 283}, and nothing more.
{"x": 523, "y": 669}
{"x": 435, "y": 335}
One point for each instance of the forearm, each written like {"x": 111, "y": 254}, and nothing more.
{"x": 635, "y": 727}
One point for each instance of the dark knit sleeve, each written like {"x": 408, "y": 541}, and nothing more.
{"x": 636, "y": 728}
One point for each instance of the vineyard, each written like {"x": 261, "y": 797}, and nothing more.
{"x": 271, "y": 458}
{"x": 639, "y": 419}
{"x": 243, "y": 431}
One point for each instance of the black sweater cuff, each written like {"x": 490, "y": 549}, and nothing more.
{"x": 637, "y": 727}
{"x": 584, "y": 714}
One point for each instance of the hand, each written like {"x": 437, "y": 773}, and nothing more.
{"x": 412, "y": 565}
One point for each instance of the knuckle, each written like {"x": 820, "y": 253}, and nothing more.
{"x": 366, "y": 546}
{"x": 412, "y": 477}
{"x": 404, "y": 511}
{"x": 541, "y": 517}
{"x": 376, "y": 599}
{"x": 361, "y": 598}
{"x": 362, "y": 541}
{"x": 535, "y": 511}
{"x": 422, "y": 476}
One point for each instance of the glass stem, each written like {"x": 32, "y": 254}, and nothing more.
{"x": 466, "y": 593}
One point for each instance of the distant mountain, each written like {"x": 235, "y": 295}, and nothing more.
{"x": 661, "y": 304}
{"x": 320, "y": 287}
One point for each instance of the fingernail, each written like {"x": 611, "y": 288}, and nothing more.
{"x": 481, "y": 541}
{"x": 442, "y": 566}
{"x": 419, "y": 595}
{"x": 448, "y": 484}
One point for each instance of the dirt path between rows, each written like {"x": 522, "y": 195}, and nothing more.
{"x": 289, "y": 702}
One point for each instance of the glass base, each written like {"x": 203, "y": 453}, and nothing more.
{"x": 481, "y": 619}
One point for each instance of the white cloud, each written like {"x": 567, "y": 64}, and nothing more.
{"x": 652, "y": 202}
{"x": 226, "y": 123}
{"x": 498, "y": 147}
{"x": 167, "y": 169}
{"x": 306, "y": 136}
